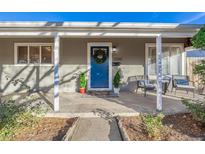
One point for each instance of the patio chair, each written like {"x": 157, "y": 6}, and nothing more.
{"x": 143, "y": 83}
{"x": 131, "y": 83}
{"x": 181, "y": 82}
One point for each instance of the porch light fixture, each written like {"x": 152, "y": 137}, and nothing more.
{"x": 114, "y": 49}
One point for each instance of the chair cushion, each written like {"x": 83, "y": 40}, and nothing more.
{"x": 185, "y": 87}
{"x": 150, "y": 87}
{"x": 181, "y": 82}
{"x": 146, "y": 84}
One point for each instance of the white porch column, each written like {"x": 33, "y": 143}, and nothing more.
{"x": 56, "y": 72}
{"x": 159, "y": 71}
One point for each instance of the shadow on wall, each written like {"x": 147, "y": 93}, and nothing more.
{"x": 127, "y": 84}
{"x": 16, "y": 79}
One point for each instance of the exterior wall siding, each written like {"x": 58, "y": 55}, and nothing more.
{"x": 73, "y": 60}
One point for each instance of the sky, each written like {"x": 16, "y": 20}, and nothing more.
{"x": 160, "y": 17}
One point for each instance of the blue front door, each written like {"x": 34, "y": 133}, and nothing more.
{"x": 99, "y": 60}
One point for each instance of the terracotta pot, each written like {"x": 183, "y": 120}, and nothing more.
{"x": 82, "y": 90}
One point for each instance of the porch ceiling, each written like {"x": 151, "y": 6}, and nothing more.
{"x": 96, "y": 29}
{"x": 95, "y": 34}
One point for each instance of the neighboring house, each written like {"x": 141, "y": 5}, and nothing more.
{"x": 40, "y": 53}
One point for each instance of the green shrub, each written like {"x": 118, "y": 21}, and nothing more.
{"x": 196, "y": 108}
{"x": 82, "y": 80}
{"x": 153, "y": 125}
{"x": 117, "y": 79}
{"x": 198, "y": 40}
{"x": 13, "y": 118}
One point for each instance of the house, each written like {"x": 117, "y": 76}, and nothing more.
{"x": 50, "y": 56}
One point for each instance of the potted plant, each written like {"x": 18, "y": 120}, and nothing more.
{"x": 116, "y": 82}
{"x": 82, "y": 83}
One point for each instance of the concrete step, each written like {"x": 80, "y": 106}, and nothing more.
{"x": 102, "y": 94}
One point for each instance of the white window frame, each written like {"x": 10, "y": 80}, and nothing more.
{"x": 179, "y": 45}
{"x": 16, "y": 45}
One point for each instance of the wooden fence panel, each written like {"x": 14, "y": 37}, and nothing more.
{"x": 191, "y": 62}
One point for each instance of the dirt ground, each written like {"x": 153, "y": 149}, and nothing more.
{"x": 47, "y": 129}
{"x": 178, "y": 127}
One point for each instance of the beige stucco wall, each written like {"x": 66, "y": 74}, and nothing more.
{"x": 131, "y": 53}
{"x": 73, "y": 60}
{"x": 33, "y": 76}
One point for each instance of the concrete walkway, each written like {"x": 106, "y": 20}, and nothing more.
{"x": 96, "y": 129}
{"x": 126, "y": 103}
{"x": 102, "y": 128}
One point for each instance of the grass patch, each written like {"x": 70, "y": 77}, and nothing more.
{"x": 197, "y": 109}
{"x": 153, "y": 125}
{"x": 14, "y": 117}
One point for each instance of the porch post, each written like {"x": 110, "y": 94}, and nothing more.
{"x": 159, "y": 71}
{"x": 56, "y": 72}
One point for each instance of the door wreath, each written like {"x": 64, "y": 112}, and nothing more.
{"x": 100, "y": 56}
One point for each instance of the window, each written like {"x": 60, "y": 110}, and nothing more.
{"x": 46, "y": 54}
{"x": 152, "y": 60}
{"x": 175, "y": 61}
{"x": 171, "y": 59}
{"x": 33, "y": 53}
{"x": 22, "y": 54}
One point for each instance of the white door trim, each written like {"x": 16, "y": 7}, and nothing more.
{"x": 106, "y": 44}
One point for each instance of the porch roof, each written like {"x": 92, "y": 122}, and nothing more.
{"x": 100, "y": 29}
{"x": 101, "y": 25}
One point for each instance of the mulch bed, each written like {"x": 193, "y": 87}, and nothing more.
{"x": 178, "y": 127}
{"x": 47, "y": 129}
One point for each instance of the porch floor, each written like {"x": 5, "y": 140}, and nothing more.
{"x": 127, "y": 103}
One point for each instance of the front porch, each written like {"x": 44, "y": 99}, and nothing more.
{"x": 51, "y": 58}
{"x": 76, "y": 104}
